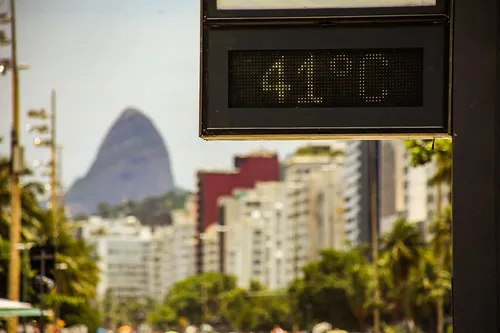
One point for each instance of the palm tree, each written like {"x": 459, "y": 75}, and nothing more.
{"x": 442, "y": 251}
{"x": 30, "y": 218}
{"x": 431, "y": 282}
{"x": 402, "y": 247}
{"x": 358, "y": 285}
{"x": 78, "y": 281}
{"x": 31, "y": 212}
{"x": 423, "y": 152}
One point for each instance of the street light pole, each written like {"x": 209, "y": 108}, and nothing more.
{"x": 25, "y": 247}
{"x": 53, "y": 163}
{"x": 15, "y": 226}
{"x": 374, "y": 230}
{"x": 60, "y": 185}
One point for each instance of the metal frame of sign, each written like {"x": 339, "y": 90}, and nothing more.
{"x": 210, "y": 12}
{"x": 218, "y": 121}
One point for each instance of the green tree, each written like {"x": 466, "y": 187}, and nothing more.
{"x": 441, "y": 245}
{"x": 198, "y": 298}
{"x": 402, "y": 247}
{"x": 256, "y": 309}
{"x": 149, "y": 210}
{"x": 31, "y": 217}
{"x": 321, "y": 294}
{"x": 163, "y": 317}
{"x": 105, "y": 210}
{"x": 440, "y": 151}
{"x": 318, "y": 150}
{"x": 430, "y": 282}
{"x": 76, "y": 284}
{"x": 358, "y": 286}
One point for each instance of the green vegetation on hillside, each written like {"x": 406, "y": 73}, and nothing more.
{"x": 152, "y": 210}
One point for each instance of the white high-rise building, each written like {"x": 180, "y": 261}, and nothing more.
{"x": 124, "y": 250}
{"x": 270, "y": 232}
{"x": 256, "y": 246}
{"x": 327, "y": 225}
{"x": 357, "y": 192}
{"x": 179, "y": 244}
{"x": 420, "y": 197}
{"x": 391, "y": 180}
{"x": 211, "y": 251}
{"x": 404, "y": 191}
{"x": 140, "y": 261}
{"x": 300, "y": 202}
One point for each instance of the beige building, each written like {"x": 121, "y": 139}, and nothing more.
{"x": 306, "y": 176}
{"x": 255, "y": 229}
{"x": 326, "y": 220}
{"x": 180, "y": 243}
{"x": 210, "y": 245}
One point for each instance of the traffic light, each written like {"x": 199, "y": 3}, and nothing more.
{"x": 43, "y": 262}
{"x": 44, "y": 255}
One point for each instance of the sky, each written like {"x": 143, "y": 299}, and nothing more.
{"x": 102, "y": 56}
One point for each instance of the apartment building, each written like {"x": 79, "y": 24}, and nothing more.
{"x": 212, "y": 184}
{"x": 256, "y": 244}
{"x": 124, "y": 249}
{"x": 327, "y": 225}
{"x": 403, "y": 190}
{"x": 179, "y": 245}
{"x": 142, "y": 261}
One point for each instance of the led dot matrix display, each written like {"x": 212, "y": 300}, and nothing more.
{"x": 326, "y": 78}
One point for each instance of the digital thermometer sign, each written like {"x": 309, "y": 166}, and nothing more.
{"x": 326, "y": 78}
{"x": 340, "y": 69}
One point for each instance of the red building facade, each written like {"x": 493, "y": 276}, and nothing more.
{"x": 249, "y": 169}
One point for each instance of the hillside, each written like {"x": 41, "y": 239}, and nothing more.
{"x": 150, "y": 211}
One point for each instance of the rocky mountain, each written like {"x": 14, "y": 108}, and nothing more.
{"x": 132, "y": 164}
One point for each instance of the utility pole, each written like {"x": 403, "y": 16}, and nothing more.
{"x": 374, "y": 229}
{"x": 50, "y": 143}
{"x": 16, "y": 160}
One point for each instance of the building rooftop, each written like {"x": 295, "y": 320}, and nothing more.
{"x": 258, "y": 153}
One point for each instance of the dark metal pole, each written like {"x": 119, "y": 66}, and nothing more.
{"x": 476, "y": 166}
{"x": 42, "y": 290}
{"x": 374, "y": 217}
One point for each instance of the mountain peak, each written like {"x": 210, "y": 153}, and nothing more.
{"x": 131, "y": 111}
{"x": 132, "y": 162}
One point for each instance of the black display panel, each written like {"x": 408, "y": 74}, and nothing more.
{"x": 326, "y": 78}
{"x": 301, "y": 82}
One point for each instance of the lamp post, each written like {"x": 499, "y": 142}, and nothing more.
{"x": 51, "y": 143}
{"x": 25, "y": 247}
{"x": 16, "y": 160}
{"x": 374, "y": 218}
